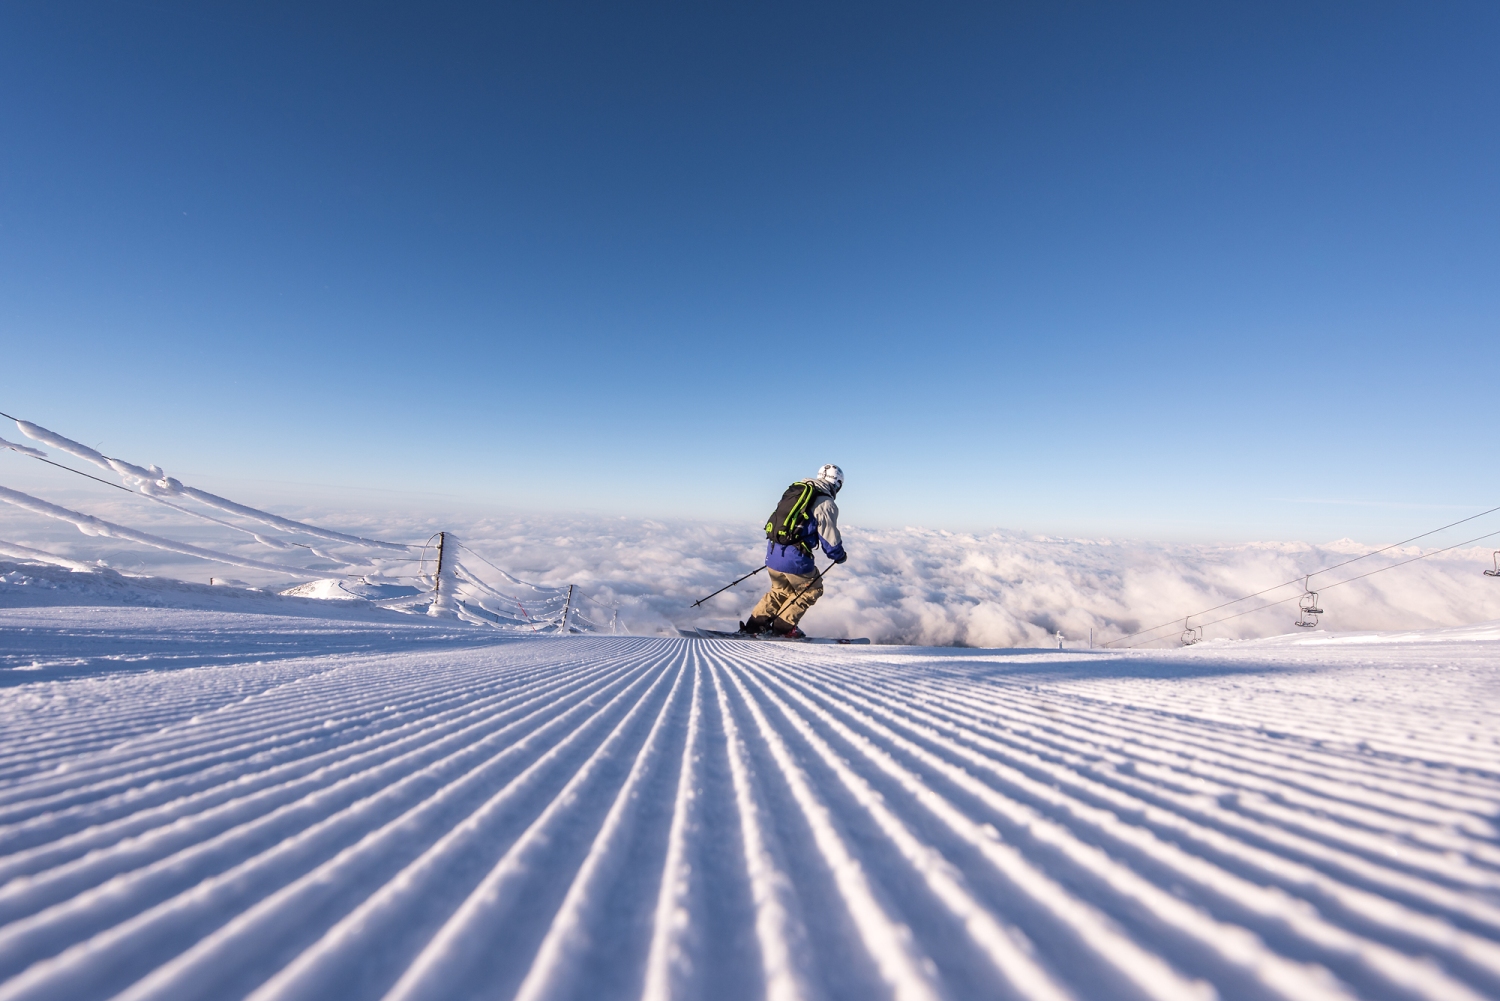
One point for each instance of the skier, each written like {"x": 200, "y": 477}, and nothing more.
{"x": 806, "y": 517}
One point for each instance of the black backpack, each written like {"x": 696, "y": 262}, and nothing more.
{"x": 789, "y": 521}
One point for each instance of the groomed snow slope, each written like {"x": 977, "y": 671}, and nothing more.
{"x": 365, "y": 812}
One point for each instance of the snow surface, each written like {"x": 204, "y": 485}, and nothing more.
{"x": 212, "y": 792}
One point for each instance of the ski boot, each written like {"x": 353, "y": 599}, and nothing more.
{"x": 755, "y": 625}
{"x": 780, "y": 627}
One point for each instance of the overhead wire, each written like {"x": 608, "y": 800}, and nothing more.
{"x": 177, "y": 507}
{"x": 421, "y": 559}
{"x": 539, "y": 587}
{"x": 1303, "y": 577}
{"x": 129, "y": 471}
{"x": 1326, "y": 587}
{"x": 91, "y": 476}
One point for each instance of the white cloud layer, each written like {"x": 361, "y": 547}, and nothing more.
{"x": 900, "y": 586}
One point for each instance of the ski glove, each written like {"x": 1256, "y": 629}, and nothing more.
{"x": 837, "y": 554}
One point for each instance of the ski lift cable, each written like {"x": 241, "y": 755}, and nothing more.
{"x": 538, "y": 587}
{"x": 505, "y": 573}
{"x": 150, "y": 475}
{"x": 612, "y": 608}
{"x": 1326, "y": 587}
{"x": 91, "y": 476}
{"x": 163, "y": 501}
{"x": 1303, "y": 577}
{"x": 176, "y": 507}
{"x": 98, "y": 526}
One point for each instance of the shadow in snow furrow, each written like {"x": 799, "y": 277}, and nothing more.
{"x": 1172, "y": 778}
{"x": 1301, "y": 932}
{"x": 246, "y": 872}
{"x": 384, "y": 706}
{"x": 152, "y": 704}
{"x": 1370, "y": 870}
{"x": 1221, "y": 729}
{"x": 116, "y": 853}
{"x": 1419, "y": 851}
{"x": 1335, "y": 760}
{"x": 863, "y": 950}
{"x": 1188, "y": 939}
{"x": 521, "y": 896}
{"x": 1421, "y": 734}
{"x": 182, "y": 649}
{"x": 1069, "y": 738}
{"x": 1122, "y": 774}
{"x": 1230, "y": 748}
{"x": 289, "y": 929}
{"x": 74, "y": 729}
{"x": 823, "y": 955}
{"x": 1094, "y": 956}
{"x": 674, "y": 939}
{"x": 366, "y": 950}
{"x": 781, "y": 939}
{"x": 912, "y": 870}
{"x": 145, "y": 704}
{"x": 600, "y": 937}
{"x": 184, "y": 751}
{"x": 100, "y": 822}
{"x": 704, "y": 929}
{"x": 290, "y": 702}
{"x": 1363, "y": 796}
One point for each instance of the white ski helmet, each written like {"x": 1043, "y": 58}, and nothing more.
{"x": 831, "y": 476}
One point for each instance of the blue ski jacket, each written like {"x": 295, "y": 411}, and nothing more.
{"x": 822, "y": 530}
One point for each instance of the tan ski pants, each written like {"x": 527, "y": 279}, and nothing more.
{"x": 778, "y": 603}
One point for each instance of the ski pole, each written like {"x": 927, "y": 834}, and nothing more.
{"x": 817, "y": 576}
{"x": 726, "y": 587}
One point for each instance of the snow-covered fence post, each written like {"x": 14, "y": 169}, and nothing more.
{"x": 567, "y": 607}
{"x": 445, "y": 582}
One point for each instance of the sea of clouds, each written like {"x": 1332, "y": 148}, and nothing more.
{"x": 908, "y": 585}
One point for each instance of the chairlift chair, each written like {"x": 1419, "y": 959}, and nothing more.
{"x": 1495, "y": 572}
{"x": 1307, "y": 607}
{"x": 1191, "y": 635}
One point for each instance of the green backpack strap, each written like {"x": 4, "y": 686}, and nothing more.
{"x": 784, "y": 527}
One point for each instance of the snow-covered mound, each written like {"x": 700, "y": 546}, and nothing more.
{"x": 30, "y": 585}
{"x": 214, "y": 805}
{"x": 343, "y": 589}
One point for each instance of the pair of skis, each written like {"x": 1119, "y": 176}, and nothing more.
{"x": 718, "y": 634}
{"x": 767, "y": 637}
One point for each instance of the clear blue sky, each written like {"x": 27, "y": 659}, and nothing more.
{"x": 1172, "y": 270}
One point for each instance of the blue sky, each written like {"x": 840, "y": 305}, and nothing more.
{"x": 1180, "y": 271}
